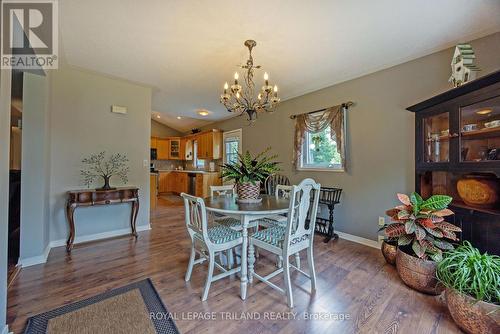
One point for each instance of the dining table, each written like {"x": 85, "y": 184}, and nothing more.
{"x": 246, "y": 213}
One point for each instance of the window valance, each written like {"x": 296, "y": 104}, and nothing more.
{"x": 317, "y": 122}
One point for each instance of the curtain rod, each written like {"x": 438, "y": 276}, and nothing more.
{"x": 344, "y": 105}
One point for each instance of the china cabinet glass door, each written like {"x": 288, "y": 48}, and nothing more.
{"x": 480, "y": 131}
{"x": 436, "y": 138}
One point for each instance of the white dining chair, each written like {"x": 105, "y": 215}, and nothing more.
{"x": 231, "y": 222}
{"x": 225, "y": 191}
{"x": 290, "y": 239}
{"x": 282, "y": 191}
{"x": 207, "y": 241}
{"x": 228, "y": 221}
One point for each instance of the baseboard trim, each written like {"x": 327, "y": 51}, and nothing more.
{"x": 34, "y": 260}
{"x": 359, "y": 240}
{"x": 99, "y": 236}
{"x": 31, "y": 261}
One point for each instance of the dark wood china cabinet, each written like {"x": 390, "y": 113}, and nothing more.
{"x": 457, "y": 153}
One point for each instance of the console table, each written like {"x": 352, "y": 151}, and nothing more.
{"x": 91, "y": 197}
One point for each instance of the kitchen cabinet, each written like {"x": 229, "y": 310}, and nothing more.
{"x": 180, "y": 183}
{"x": 153, "y": 142}
{"x": 163, "y": 148}
{"x": 209, "y": 145}
{"x": 153, "y": 179}
{"x": 174, "y": 148}
{"x": 177, "y": 148}
{"x": 163, "y": 179}
{"x": 173, "y": 182}
{"x": 204, "y": 181}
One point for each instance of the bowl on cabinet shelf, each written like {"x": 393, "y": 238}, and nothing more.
{"x": 479, "y": 190}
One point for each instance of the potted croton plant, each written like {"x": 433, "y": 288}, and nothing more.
{"x": 422, "y": 235}
{"x": 472, "y": 282}
{"x": 248, "y": 172}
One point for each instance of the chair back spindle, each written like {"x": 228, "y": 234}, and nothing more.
{"x": 273, "y": 180}
{"x": 227, "y": 190}
{"x": 283, "y": 191}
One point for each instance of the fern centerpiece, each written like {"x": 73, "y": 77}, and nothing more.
{"x": 248, "y": 172}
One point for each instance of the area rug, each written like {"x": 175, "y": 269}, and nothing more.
{"x": 134, "y": 308}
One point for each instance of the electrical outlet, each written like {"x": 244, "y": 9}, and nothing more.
{"x": 380, "y": 239}
{"x": 381, "y": 221}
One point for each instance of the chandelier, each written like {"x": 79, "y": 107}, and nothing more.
{"x": 241, "y": 100}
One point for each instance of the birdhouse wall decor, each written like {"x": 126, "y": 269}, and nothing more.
{"x": 463, "y": 68}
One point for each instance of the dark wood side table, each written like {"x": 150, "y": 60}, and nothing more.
{"x": 91, "y": 197}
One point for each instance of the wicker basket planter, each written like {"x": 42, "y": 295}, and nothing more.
{"x": 389, "y": 252}
{"x": 248, "y": 192}
{"x": 473, "y": 316}
{"x": 418, "y": 274}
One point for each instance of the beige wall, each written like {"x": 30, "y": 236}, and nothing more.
{"x": 35, "y": 171}
{"x": 161, "y": 130}
{"x": 81, "y": 123}
{"x": 380, "y": 132}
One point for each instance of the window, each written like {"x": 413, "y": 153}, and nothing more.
{"x": 231, "y": 150}
{"x": 232, "y": 145}
{"x": 198, "y": 163}
{"x": 319, "y": 151}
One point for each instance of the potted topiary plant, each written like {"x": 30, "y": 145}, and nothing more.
{"x": 420, "y": 229}
{"x": 472, "y": 282}
{"x": 248, "y": 172}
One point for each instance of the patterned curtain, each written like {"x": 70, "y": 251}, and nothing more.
{"x": 316, "y": 122}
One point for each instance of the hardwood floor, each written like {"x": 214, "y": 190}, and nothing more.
{"x": 353, "y": 280}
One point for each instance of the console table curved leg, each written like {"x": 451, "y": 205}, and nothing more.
{"x": 133, "y": 217}
{"x": 70, "y": 210}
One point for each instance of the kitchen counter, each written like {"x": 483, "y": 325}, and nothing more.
{"x": 187, "y": 171}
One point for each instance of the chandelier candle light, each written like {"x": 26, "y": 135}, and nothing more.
{"x": 239, "y": 100}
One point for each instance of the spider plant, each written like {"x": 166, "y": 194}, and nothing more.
{"x": 471, "y": 273}
{"x": 250, "y": 169}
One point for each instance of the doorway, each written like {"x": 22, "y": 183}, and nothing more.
{"x": 14, "y": 228}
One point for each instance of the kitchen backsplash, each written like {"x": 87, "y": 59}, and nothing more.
{"x": 167, "y": 164}
{"x": 174, "y": 164}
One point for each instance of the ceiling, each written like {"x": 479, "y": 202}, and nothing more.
{"x": 186, "y": 50}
